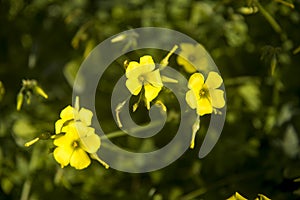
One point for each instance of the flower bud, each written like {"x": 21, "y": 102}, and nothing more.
{"x": 19, "y": 101}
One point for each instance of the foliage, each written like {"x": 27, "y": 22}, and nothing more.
{"x": 254, "y": 43}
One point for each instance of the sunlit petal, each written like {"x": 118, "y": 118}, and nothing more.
{"x": 58, "y": 125}
{"x": 131, "y": 66}
{"x": 214, "y": 80}
{"x": 85, "y": 116}
{"x": 188, "y": 66}
{"x": 62, "y": 155}
{"x": 191, "y": 99}
{"x": 147, "y": 63}
{"x": 186, "y": 48}
{"x": 66, "y": 140}
{"x": 80, "y": 159}
{"x": 154, "y": 78}
{"x": 217, "y": 98}
{"x": 151, "y": 93}
{"x": 204, "y": 106}
{"x": 68, "y": 113}
{"x": 134, "y": 86}
{"x": 91, "y": 143}
{"x": 196, "y": 82}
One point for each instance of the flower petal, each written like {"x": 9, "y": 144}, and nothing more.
{"x": 214, "y": 80}
{"x": 135, "y": 69}
{"x": 191, "y": 99}
{"x": 133, "y": 85}
{"x": 80, "y": 159}
{"x": 91, "y": 143}
{"x": 66, "y": 140}
{"x": 147, "y": 62}
{"x": 85, "y": 116}
{"x": 217, "y": 98}
{"x": 154, "y": 78}
{"x": 196, "y": 82}
{"x": 151, "y": 93}
{"x": 58, "y": 125}
{"x": 62, "y": 155}
{"x": 187, "y": 48}
{"x": 204, "y": 106}
{"x": 68, "y": 113}
{"x": 186, "y": 64}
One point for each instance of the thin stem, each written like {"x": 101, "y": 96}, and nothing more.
{"x": 26, "y": 190}
{"x": 268, "y": 17}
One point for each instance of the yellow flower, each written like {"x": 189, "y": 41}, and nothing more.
{"x": 79, "y": 142}
{"x": 193, "y": 57}
{"x": 73, "y": 147}
{"x": 205, "y": 96}
{"x": 73, "y": 114}
{"x": 144, "y": 74}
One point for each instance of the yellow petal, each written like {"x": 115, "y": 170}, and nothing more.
{"x": 85, "y": 116}
{"x": 58, "y": 125}
{"x": 186, "y": 64}
{"x": 62, "y": 155}
{"x": 91, "y": 143}
{"x": 151, "y": 93}
{"x": 132, "y": 65}
{"x": 168, "y": 79}
{"x": 191, "y": 99}
{"x": 134, "y": 69}
{"x": 154, "y": 78}
{"x": 68, "y": 113}
{"x": 204, "y": 106}
{"x": 66, "y": 140}
{"x": 80, "y": 159}
{"x": 187, "y": 48}
{"x": 196, "y": 82}
{"x": 214, "y": 80}
{"x": 147, "y": 60}
{"x": 217, "y": 98}
{"x": 133, "y": 85}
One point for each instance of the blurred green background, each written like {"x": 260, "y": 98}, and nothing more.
{"x": 254, "y": 43}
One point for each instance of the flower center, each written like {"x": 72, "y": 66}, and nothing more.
{"x": 203, "y": 92}
{"x": 192, "y": 58}
{"x": 75, "y": 144}
{"x": 141, "y": 78}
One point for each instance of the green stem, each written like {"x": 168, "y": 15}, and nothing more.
{"x": 268, "y": 17}
{"x": 26, "y": 190}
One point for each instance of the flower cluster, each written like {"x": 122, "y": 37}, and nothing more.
{"x": 76, "y": 141}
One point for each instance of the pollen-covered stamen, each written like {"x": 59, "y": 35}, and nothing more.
{"x": 203, "y": 93}
{"x": 142, "y": 78}
{"x": 75, "y": 144}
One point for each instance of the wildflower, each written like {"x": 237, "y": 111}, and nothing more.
{"x": 73, "y": 114}
{"x": 204, "y": 96}
{"x": 144, "y": 74}
{"x": 79, "y": 142}
{"x": 29, "y": 87}
{"x": 192, "y": 57}
{"x": 73, "y": 147}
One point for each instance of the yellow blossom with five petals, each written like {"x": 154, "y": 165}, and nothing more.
{"x": 144, "y": 74}
{"x": 205, "y": 96}
{"x": 75, "y": 140}
{"x": 73, "y": 147}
